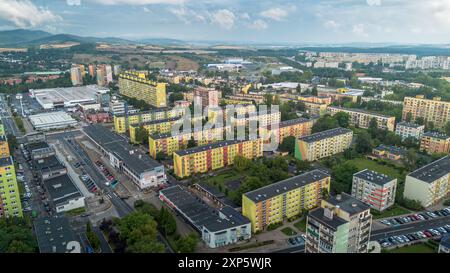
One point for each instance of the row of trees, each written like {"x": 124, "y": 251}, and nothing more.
{"x": 16, "y": 236}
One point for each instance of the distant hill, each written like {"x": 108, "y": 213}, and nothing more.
{"x": 22, "y": 38}
{"x": 161, "y": 41}
{"x": 17, "y": 36}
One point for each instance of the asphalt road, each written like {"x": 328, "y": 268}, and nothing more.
{"x": 120, "y": 205}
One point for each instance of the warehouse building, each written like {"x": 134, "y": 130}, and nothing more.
{"x": 63, "y": 193}
{"x": 217, "y": 227}
{"x": 69, "y": 97}
{"x": 51, "y": 121}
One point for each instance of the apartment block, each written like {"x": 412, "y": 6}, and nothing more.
{"x": 435, "y": 142}
{"x": 151, "y": 127}
{"x": 214, "y": 156}
{"x": 137, "y": 85}
{"x": 434, "y": 110}
{"x": 409, "y": 130}
{"x": 323, "y": 144}
{"x": 295, "y": 127}
{"x": 123, "y": 121}
{"x": 206, "y": 96}
{"x": 316, "y": 99}
{"x": 4, "y": 146}
{"x": 314, "y": 108}
{"x": 276, "y": 202}
{"x": 429, "y": 184}
{"x": 374, "y": 189}
{"x": 168, "y": 144}
{"x": 342, "y": 224}
{"x": 361, "y": 118}
{"x": 10, "y": 204}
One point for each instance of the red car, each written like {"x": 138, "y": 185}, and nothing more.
{"x": 428, "y": 234}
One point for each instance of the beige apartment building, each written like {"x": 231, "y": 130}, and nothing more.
{"x": 362, "y": 118}
{"x": 434, "y": 110}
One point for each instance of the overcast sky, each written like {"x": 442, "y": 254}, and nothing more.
{"x": 267, "y": 21}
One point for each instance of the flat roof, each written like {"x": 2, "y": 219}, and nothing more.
{"x": 286, "y": 185}
{"x": 69, "y": 94}
{"x": 374, "y": 177}
{"x": 325, "y": 134}
{"x": 117, "y": 145}
{"x": 433, "y": 171}
{"x": 61, "y": 189}
{"x": 47, "y": 162}
{"x": 409, "y": 124}
{"x": 6, "y": 161}
{"x": 436, "y": 135}
{"x": 359, "y": 111}
{"x": 51, "y": 118}
{"x": 318, "y": 214}
{"x": 208, "y": 147}
{"x": 348, "y": 203}
{"x": 53, "y": 233}
{"x": 202, "y": 215}
{"x": 391, "y": 149}
{"x": 154, "y": 122}
{"x": 37, "y": 146}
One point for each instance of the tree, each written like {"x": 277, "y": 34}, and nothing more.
{"x": 408, "y": 117}
{"x": 342, "y": 119}
{"x": 325, "y": 122}
{"x": 343, "y": 176}
{"x": 191, "y": 143}
{"x": 187, "y": 244}
{"x": 314, "y": 91}
{"x": 363, "y": 143}
{"x": 429, "y": 126}
{"x": 139, "y": 232}
{"x": 447, "y": 128}
{"x": 16, "y": 236}
{"x": 373, "y": 127}
{"x": 410, "y": 159}
{"x": 420, "y": 120}
{"x": 241, "y": 163}
{"x": 288, "y": 144}
{"x": 175, "y": 96}
{"x": 166, "y": 222}
{"x": 92, "y": 237}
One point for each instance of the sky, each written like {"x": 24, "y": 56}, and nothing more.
{"x": 260, "y": 21}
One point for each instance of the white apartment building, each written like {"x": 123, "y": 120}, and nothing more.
{"x": 408, "y": 129}
{"x": 375, "y": 189}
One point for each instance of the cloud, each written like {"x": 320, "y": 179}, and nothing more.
{"x": 73, "y": 2}
{"x": 224, "y": 18}
{"x": 277, "y": 14}
{"x": 146, "y": 9}
{"x": 331, "y": 24}
{"x": 258, "y": 25}
{"x": 359, "y": 30}
{"x": 24, "y": 14}
{"x": 137, "y": 2}
{"x": 373, "y": 2}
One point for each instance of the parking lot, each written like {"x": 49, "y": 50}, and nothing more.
{"x": 432, "y": 233}
{"x": 423, "y": 216}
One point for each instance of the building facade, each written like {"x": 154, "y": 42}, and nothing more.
{"x": 286, "y": 199}
{"x": 434, "y": 110}
{"x": 214, "y": 156}
{"x": 374, "y": 189}
{"x": 429, "y": 184}
{"x": 206, "y": 96}
{"x": 167, "y": 143}
{"x": 435, "y": 142}
{"x": 295, "y": 127}
{"x": 123, "y": 121}
{"x": 409, "y": 130}
{"x": 151, "y": 127}
{"x": 10, "y": 205}
{"x": 323, "y": 144}
{"x": 137, "y": 85}
{"x": 342, "y": 224}
{"x": 362, "y": 118}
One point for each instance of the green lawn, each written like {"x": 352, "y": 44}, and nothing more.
{"x": 363, "y": 163}
{"x": 392, "y": 211}
{"x": 75, "y": 212}
{"x": 288, "y": 231}
{"x": 301, "y": 225}
{"x": 419, "y": 248}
